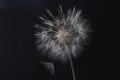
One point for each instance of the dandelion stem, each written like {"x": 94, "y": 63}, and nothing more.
{"x": 71, "y": 63}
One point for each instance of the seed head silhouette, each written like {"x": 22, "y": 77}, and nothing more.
{"x": 62, "y": 37}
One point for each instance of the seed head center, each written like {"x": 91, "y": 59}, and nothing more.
{"x": 63, "y": 34}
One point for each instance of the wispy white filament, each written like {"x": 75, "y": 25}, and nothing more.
{"x": 68, "y": 30}
{"x": 61, "y": 37}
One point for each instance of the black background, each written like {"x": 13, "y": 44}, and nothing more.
{"x": 18, "y": 55}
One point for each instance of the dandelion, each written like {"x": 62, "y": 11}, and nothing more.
{"x": 62, "y": 36}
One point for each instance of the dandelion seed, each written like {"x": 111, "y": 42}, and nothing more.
{"x": 49, "y": 66}
{"x": 63, "y": 35}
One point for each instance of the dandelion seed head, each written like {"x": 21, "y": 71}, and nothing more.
{"x": 62, "y": 31}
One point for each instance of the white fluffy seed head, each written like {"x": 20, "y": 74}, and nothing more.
{"x": 62, "y": 31}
